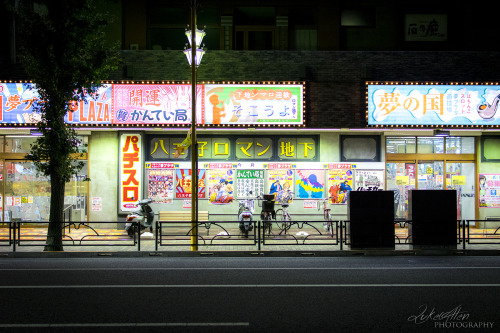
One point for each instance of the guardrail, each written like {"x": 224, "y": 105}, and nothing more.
{"x": 332, "y": 235}
{"x": 37, "y": 236}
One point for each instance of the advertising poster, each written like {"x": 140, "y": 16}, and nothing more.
{"x": 253, "y": 104}
{"x": 433, "y": 105}
{"x": 281, "y": 184}
{"x": 489, "y": 190}
{"x": 340, "y": 182}
{"x": 369, "y": 180}
{"x": 161, "y": 185}
{"x": 183, "y": 183}
{"x": 130, "y": 171}
{"x": 309, "y": 184}
{"x": 250, "y": 183}
{"x": 155, "y": 104}
{"x": 221, "y": 186}
{"x": 17, "y": 101}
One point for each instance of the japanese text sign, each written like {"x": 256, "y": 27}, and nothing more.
{"x": 170, "y": 104}
{"x": 130, "y": 181}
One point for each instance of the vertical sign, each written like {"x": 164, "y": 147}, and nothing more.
{"x": 130, "y": 164}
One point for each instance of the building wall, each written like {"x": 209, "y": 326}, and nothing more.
{"x": 335, "y": 80}
{"x": 103, "y": 172}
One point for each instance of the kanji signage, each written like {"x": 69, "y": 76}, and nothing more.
{"x": 253, "y": 104}
{"x": 130, "y": 165}
{"x": 433, "y": 104}
{"x": 273, "y": 148}
{"x": 159, "y": 104}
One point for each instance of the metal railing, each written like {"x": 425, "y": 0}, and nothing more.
{"x": 331, "y": 235}
{"x": 37, "y": 236}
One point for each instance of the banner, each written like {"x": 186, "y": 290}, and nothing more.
{"x": 433, "y": 104}
{"x": 130, "y": 173}
{"x": 169, "y": 104}
{"x": 253, "y": 104}
{"x": 17, "y": 101}
{"x": 489, "y": 190}
{"x": 155, "y": 104}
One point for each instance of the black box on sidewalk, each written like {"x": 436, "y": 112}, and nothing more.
{"x": 433, "y": 215}
{"x": 371, "y": 216}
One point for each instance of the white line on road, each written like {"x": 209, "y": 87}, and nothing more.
{"x": 42, "y": 325}
{"x": 236, "y": 268}
{"x": 361, "y": 285}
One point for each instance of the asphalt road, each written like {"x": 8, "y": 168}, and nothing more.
{"x": 305, "y": 294}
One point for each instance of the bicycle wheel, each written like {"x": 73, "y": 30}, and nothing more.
{"x": 286, "y": 221}
{"x": 279, "y": 219}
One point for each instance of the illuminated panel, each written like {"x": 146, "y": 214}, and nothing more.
{"x": 433, "y": 104}
{"x": 254, "y": 104}
{"x": 130, "y": 177}
{"x": 146, "y": 104}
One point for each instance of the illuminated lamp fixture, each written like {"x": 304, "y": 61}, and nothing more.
{"x": 199, "y": 34}
{"x": 441, "y": 133}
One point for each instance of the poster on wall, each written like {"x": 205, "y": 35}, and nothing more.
{"x": 369, "y": 180}
{"x": 253, "y": 104}
{"x": 489, "y": 190}
{"x": 340, "y": 182}
{"x": 281, "y": 184}
{"x": 221, "y": 184}
{"x": 250, "y": 183}
{"x": 393, "y": 104}
{"x": 183, "y": 183}
{"x": 309, "y": 184}
{"x": 130, "y": 171}
{"x": 161, "y": 185}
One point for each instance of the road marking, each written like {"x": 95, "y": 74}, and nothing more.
{"x": 42, "y": 325}
{"x": 350, "y": 285}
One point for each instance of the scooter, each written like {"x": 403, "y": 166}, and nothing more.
{"x": 245, "y": 215}
{"x": 144, "y": 217}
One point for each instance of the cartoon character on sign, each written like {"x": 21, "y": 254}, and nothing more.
{"x": 487, "y": 111}
{"x": 218, "y": 108}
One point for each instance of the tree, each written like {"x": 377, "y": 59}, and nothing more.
{"x": 64, "y": 52}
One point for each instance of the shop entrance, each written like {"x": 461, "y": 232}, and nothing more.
{"x": 432, "y": 175}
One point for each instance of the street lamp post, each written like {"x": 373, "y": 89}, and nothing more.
{"x": 194, "y": 55}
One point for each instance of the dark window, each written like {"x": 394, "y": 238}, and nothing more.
{"x": 360, "y": 148}
{"x": 490, "y": 148}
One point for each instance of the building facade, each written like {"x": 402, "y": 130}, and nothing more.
{"x": 336, "y": 52}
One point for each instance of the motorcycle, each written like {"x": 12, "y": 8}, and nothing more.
{"x": 245, "y": 215}
{"x": 144, "y": 217}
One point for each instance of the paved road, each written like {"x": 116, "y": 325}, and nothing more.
{"x": 341, "y": 294}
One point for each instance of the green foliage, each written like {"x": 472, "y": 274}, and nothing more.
{"x": 63, "y": 50}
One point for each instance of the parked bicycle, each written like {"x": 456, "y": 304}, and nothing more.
{"x": 283, "y": 218}
{"x": 327, "y": 216}
{"x": 268, "y": 214}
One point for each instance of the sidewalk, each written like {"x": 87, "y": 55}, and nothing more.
{"x": 102, "y": 242}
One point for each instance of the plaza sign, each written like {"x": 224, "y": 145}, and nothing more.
{"x": 159, "y": 104}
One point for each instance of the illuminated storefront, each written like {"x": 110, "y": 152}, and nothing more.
{"x": 253, "y": 140}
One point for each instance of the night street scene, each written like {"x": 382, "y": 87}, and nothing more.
{"x": 232, "y": 166}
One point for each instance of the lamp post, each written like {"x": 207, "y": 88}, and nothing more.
{"x": 194, "y": 55}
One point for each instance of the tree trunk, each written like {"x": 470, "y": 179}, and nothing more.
{"x": 56, "y": 219}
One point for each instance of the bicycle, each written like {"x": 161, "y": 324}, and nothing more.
{"x": 283, "y": 218}
{"x": 327, "y": 216}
